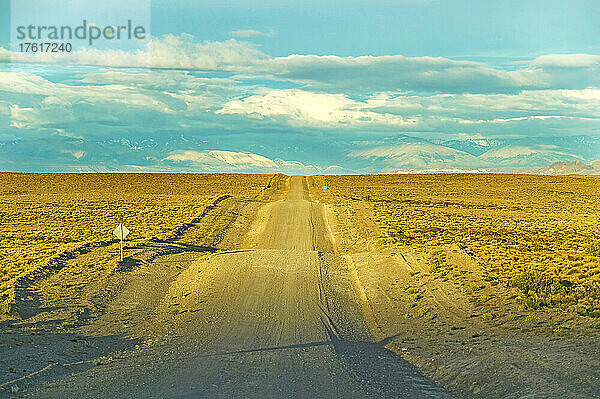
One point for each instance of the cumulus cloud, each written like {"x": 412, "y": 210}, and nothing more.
{"x": 59, "y": 93}
{"x": 182, "y": 52}
{"x": 168, "y": 51}
{"x": 493, "y": 114}
{"x": 528, "y": 105}
{"x": 41, "y": 103}
{"x": 303, "y": 108}
{"x": 117, "y": 100}
{"x": 362, "y": 74}
{"x": 177, "y": 100}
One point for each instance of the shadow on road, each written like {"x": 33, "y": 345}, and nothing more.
{"x": 370, "y": 363}
{"x": 373, "y": 363}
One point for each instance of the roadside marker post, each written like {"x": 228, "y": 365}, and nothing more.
{"x": 121, "y": 232}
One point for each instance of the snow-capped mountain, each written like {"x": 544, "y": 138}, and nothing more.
{"x": 232, "y": 161}
{"x": 474, "y": 147}
{"x": 296, "y": 154}
{"x": 416, "y": 155}
{"x": 526, "y": 156}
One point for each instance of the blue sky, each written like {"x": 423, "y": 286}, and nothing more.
{"x": 305, "y": 87}
{"x": 451, "y": 28}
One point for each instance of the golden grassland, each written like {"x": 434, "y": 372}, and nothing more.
{"x": 538, "y": 233}
{"x": 42, "y": 215}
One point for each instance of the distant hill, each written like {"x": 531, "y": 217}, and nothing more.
{"x": 595, "y": 164}
{"x": 419, "y": 156}
{"x": 569, "y": 168}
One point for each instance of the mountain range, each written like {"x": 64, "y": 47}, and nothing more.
{"x": 302, "y": 154}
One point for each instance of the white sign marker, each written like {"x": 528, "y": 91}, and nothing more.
{"x": 121, "y": 232}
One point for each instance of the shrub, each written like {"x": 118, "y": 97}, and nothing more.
{"x": 487, "y": 316}
{"x": 436, "y": 260}
{"x": 594, "y": 248}
{"x": 595, "y": 313}
{"x": 537, "y": 282}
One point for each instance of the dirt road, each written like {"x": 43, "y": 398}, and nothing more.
{"x": 276, "y": 317}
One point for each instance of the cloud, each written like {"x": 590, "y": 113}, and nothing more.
{"x": 556, "y": 111}
{"x": 543, "y": 106}
{"x": 362, "y": 74}
{"x": 45, "y": 104}
{"x": 566, "y": 60}
{"x": 524, "y": 118}
{"x": 182, "y": 52}
{"x": 249, "y": 33}
{"x": 78, "y": 154}
{"x": 118, "y": 101}
{"x": 388, "y": 73}
{"x": 109, "y": 101}
{"x": 167, "y": 52}
{"x": 303, "y": 108}
{"x": 429, "y": 74}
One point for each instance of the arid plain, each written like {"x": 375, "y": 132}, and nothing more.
{"x": 467, "y": 286}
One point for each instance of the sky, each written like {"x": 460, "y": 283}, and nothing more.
{"x": 304, "y": 87}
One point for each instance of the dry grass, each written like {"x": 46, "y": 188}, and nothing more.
{"x": 44, "y": 214}
{"x": 538, "y": 233}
